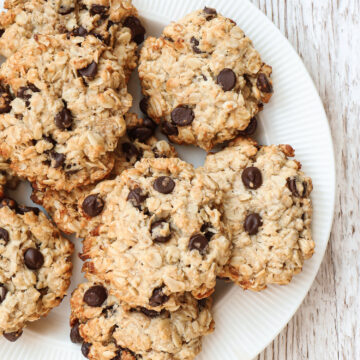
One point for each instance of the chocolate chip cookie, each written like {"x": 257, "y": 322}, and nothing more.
{"x": 160, "y": 235}
{"x": 35, "y": 267}
{"x": 110, "y": 329}
{"x": 114, "y": 22}
{"x": 61, "y": 111}
{"x": 66, "y": 209}
{"x": 268, "y": 210}
{"x": 203, "y": 80}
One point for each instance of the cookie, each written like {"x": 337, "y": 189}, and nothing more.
{"x": 61, "y": 111}
{"x": 114, "y": 22}
{"x": 7, "y": 177}
{"x": 109, "y": 329}
{"x": 203, "y": 80}
{"x": 35, "y": 267}
{"x": 160, "y": 235}
{"x": 65, "y": 208}
{"x": 267, "y": 209}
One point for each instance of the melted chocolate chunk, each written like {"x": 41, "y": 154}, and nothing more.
{"x": 158, "y": 297}
{"x": 33, "y": 259}
{"x": 182, "y": 115}
{"x": 252, "y": 178}
{"x": 136, "y": 28}
{"x": 93, "y": 205}
{"x": 164, "y": 185}
{"x": 95, "y": 296}
{"x": 252, "y": 223}
{"x": 89, "y": 71}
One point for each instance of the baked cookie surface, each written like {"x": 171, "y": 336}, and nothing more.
{"x": 35, "y": 267}
{"x": 267, "y": 209}
{"x": 114, "y": 22}
{"x": 160, "y": 235}
{"x": 109, "y": 329}
{"x": 203, "y": 80}
{"x": 7, "y": 177}
{"x": 61, "y": 110}
{"x": 65, "y": 208}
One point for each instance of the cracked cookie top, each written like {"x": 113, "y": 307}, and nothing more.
{"x": 160, "y": 235}
{"x": 110, "y": 329}
{"x": 114, "y": 22}
{"x": 267, "y": 209}
{"x": 61, "y": 111}
{"x": 66, "y": 208}
{"x": 35, "y": 266}
{"x": 203, "y": 80}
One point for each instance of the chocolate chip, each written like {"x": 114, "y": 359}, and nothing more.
{"x": 198, "y": 242}
{"x": 144, "y": 104}
{"x": 9, "y": 203}
{"x": 93, "y": 205}
{"x": 210, "y": 13}
{"x": 149, "y": 124}
{"x": 58, "y": 158}
{"x": 150, "y": 313}
{"x": 109, "y": 24}
{"x": 1, "y": 32}
{"x": 79, "y": 31}
{"x": 3, "y": 292}
{"x": 164, "y": 184}
{"x": 141, "y": 133}
{"x": 75, "y": 336}
{"x": 130, "y": 151}
{"x": 160, "y": 239}
{"x": 64, "y": 119}
{"x": 252, "y": 178}
{"x": 136, "y": 28}
{"x": 98, "y": 9}
{"x": 25, "y": 92}
{"x": 33, "y": 259}
{"x": 158, "y": 297}
{"x": 297, "y": 187}
{"x": 250, "y": 130}
{"x": 136, "y": 197}
{"x": 263, "y": 84}
{"x": 226, "y": 79}
{"x": 85, "y": 349}
{"x": 49, "y": 139}
{"x": 13, "y": 336}
{"x": 95, "y": 296}
{"x": 5, "y": 100}
{"x": 63, "y": 10}
{"x": 204, "y": 229}
{"x": 195, "y": 43}
{"x": 182, "y": 115}
{"x": 4, "y": 235}
{"x": 22, "y": 209}
{"x": 89, "y": 71}
{"x": 252, "y": 223}
{"x": 169, "y": 129}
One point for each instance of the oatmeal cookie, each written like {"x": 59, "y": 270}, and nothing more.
{"x": 35, "y": 267}
{"x": 114, "y": 22}
{"x": 109, "y": 329}
{"x": 61, "y": 111}
{"x": 268, "y": 210}
{"x": 65, "y": 208}
{"x": 203, "y": 80}
{"x": 160, "y": 235}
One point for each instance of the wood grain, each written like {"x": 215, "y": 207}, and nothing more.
{"x": 326, "y": 35}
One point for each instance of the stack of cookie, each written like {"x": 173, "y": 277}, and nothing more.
{"x": 157, "y": 232}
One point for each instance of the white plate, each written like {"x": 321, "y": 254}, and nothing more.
{"x": 246, "y": 322}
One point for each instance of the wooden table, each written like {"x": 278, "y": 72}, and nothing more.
{"x": 326, "y": 35}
